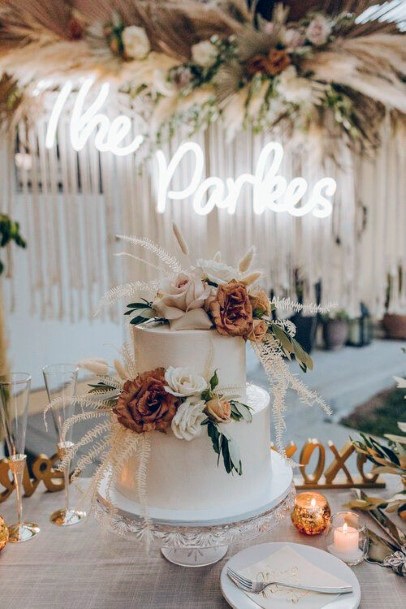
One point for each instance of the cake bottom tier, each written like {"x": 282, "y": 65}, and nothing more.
{"x": 187, "y": 476}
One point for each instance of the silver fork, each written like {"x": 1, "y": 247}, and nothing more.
{"x": 248, "y": 585}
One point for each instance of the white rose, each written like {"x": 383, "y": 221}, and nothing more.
{"x": 181, "y": 296}
{"x": 187, "y": 422}
{"x": 136, "y": 43}
{"x": 318, "y": 30}
{"x": 184, "y": 382}
{"x": 204, "y": 53}
{"x": 218, "y": 272}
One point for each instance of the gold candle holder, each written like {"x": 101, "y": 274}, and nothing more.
{"x": 311, "y": 514}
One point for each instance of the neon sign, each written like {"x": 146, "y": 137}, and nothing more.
{"x": 270, "y": 191}
{"x": 110, "y": 135}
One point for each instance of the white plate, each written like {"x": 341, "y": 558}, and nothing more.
{"x": 239, "y": 600}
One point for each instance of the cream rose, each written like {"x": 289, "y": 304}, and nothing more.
{"x": 204, "y": 53}
{"x": 217, "y": 272}
{"x": 181, "y": 301}
{"x": 219, "y": 410}
{"x": 136, "y": 42}
{"x": 259, "y": 330}
{"x": 183, "y": 382}
{"x": 187, "y": 422}
{"x": 318, "y": 30}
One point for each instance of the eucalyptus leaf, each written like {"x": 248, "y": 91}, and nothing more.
{"x": 214, "y": 381}
{"x": 283, "y": 339}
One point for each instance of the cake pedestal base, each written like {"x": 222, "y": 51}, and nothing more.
{"x": 196, "y": 542}
{"x": 194, "y": 557}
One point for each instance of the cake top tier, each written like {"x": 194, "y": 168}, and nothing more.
{"x": 209, "y": 294}
{"x": 203, "y": 352}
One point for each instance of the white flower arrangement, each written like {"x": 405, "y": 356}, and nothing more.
{"x": 247, "y": 71}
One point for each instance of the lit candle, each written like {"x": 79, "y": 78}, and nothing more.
{"x": 311, "y": 514}
{"x": 346, "y": 540}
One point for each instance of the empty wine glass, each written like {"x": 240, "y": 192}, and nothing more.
{"x": 14, "y": 397}
{"x": 60, "y": 382}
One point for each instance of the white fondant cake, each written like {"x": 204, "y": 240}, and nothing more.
{"x": 203, "y": 351}
{"x": 186, "y": 475}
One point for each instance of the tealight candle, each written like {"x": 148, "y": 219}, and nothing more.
{"x": 311, "y": 514}
{"x": 347, "y": 538}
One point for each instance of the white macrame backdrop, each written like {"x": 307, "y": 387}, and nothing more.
{"x": 71, "y": 229}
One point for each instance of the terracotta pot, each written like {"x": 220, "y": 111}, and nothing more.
{"x": 394, "y": 325}
{"x": 335, "y": 333}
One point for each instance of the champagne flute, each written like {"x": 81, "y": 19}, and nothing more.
{"x": 14, "y": 397}
{"x": 60, "y": 382}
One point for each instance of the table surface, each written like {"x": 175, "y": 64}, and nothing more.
{"x": 84, "y": 567}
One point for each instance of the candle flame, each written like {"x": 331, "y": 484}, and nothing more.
{"x": 345, "y": 527}
{"x": 313, "y": 503}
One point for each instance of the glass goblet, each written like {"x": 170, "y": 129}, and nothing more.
{"x": 60, "y": 382}
{"x": 14, "y": 398}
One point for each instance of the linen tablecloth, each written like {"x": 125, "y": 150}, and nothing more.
{"x": 83, "y": 567}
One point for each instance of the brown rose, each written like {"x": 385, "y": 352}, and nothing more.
{"x": 144, "y": 405}
{"x": 219, "y": 410}
{"x": 260, "y": 303}
{"x": 231, "y": 309}
{"x": 259, "y": 330}
{"x": 272, "y": 64}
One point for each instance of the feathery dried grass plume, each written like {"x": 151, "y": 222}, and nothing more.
{"x": 370, "y": 65}
{"x": 152, "y": 247}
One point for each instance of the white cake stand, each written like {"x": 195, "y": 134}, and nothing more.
{"x": 197, "y": 540}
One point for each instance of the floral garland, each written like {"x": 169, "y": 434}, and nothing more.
{"x": 194, "y": 62}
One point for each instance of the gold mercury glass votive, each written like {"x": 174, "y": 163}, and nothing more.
{"x": 311, "y": 514}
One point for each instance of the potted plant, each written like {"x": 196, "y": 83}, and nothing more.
{"x": 394, "y": 320}
{"x": 306, "y": 324}
{"x": 335, "y": 330}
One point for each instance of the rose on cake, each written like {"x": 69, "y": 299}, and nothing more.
{"x": 187, "y": 422}
{"x": 144, "y": 404}
{"x": 231, "y": 310}
{"x": 180, "y": 300}
{"x": 218, "y": 409}
{"x": 183, "y": 382}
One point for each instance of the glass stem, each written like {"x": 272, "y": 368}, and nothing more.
{"x": 66, "y": 479}
{"x": 17, "y": 466}
{"x": 18, "y": 481}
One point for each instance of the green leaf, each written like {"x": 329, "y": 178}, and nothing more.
{"x": 243, "y": 410}
{"x": 284, "y": 340}
{"x": 235, "y": 413}
{"x": 301, "y": 356}
{"x": 206, "y": 395}
{"x": 215, "y": 436}
{"x": 139, "y": 305}
{"x": 139, "y": 319}
{"x": 214, "y": 381}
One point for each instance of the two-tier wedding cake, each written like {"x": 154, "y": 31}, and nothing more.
{"x": 189, "y": 439}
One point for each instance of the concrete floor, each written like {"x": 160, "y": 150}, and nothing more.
{"x": 345, "y": 379}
